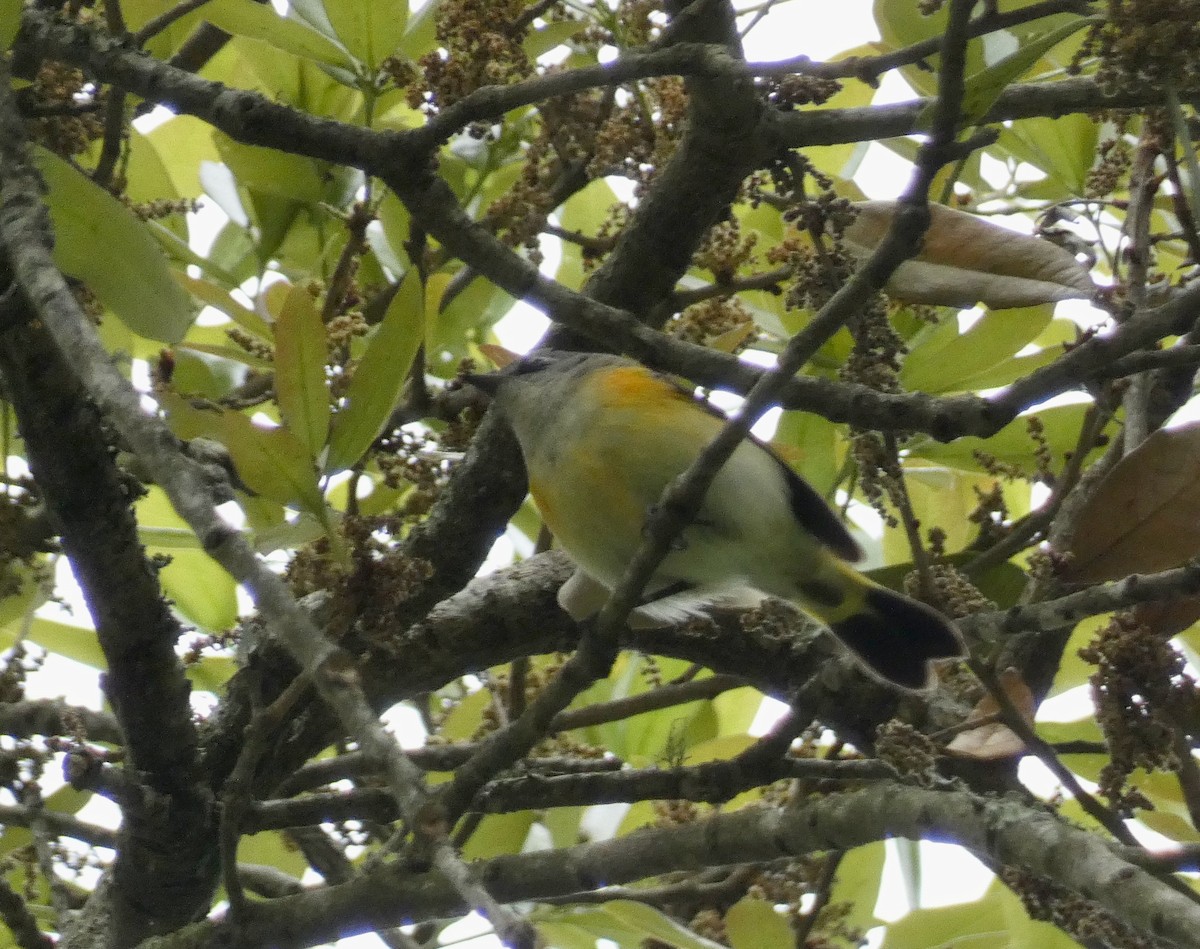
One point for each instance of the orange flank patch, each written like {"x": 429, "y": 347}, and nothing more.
{"x": 633, "y": 386}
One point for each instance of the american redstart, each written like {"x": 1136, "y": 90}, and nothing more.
{"x": 602, "y": 436}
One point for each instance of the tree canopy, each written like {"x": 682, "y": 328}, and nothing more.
{"x": 232, "y": 333}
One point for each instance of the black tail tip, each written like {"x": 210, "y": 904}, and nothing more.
{"x": 897, "y": 637}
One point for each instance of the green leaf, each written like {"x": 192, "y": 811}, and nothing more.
{"x": 842, "y": 161}
{"x": 810, "y": 444}
{"x": 300, "y": 358}
{"x": 261, "y": 22}
{"x": 10, "y": 21}
{"x": 28, "y": 591}
{"x": 557, "y": 933}
{"x": 997, "y": 920}
{"x": 272, "y": 462}
{"x": 294, "y": 178}
{"x": 754, "y": 924}
{"x": 209, "y": 293}
{"x": 370, "y": 29}
{"x": 639, "y": 921}
{"x": 902, "y": 24}
{"x": 736, "y": 710}
{"x": 202, "y": 590}
{"x": 211, "y": 673}
{"x": 498, "y": 834}
{"x": 1011, "y": 444}
{"x": 271, "y": 849}
{"x": 148, "y": 179}
{"x": 942, "y": 360}
{"x": 74, "y": 642}
{"x": 379, "y": 376}
{"x": 984, "y": 88}
{"x": 1063, "y": 148}
{"x": 99, "y": 241}
{"x": 421, "y": 34}
{"x": 859, "y": 874}
{"x": 1003, "y": 584}
{"x": 183, "y": 144}
{"x": 550, "y": 35}
{"x": 465, "y": 718}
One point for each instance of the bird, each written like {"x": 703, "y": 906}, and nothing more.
{"x": 602, "y": 436}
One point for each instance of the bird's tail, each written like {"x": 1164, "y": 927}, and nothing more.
{"x": 895, "y": 636}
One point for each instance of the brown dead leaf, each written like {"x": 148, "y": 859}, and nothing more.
{"x": 966, "y": 260}
{"x": 1168, "y": 618}
{"x": 992, "y": 740}
{"x": 1145, "y": 515}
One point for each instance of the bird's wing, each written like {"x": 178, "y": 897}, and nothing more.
{"x": 809, "y": 508}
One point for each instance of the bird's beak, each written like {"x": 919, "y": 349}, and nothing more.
{"x": 488, "y": 383}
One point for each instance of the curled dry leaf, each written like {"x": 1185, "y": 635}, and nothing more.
{"x": 992, "y": 740}
{"x": 1145, "y": 515}
{"x": 965, "y": 260}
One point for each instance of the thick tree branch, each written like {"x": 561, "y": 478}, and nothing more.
{"x": 1001, "y": 831}
{"x": 713, "y": 782}
{"x": 56, "y": 717}
{"x": 164, "y": 869}
{"x": 24, "y": 231}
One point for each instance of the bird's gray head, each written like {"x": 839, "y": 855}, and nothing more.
{"x": 536, "y": 394}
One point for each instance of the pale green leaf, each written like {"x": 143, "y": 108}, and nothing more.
{"x": 28, "y": 593}
{"x": 943, "y": 359}
{"x": 736, "y": 710}
{"x": 293, "y": 178}
{"x": 261, "y": 22}
{"x": 995, "y": 921}
{"x": 379, "y": 376}
{"x": 300, "y": 357}
{"x": 558, "y": 933}
{"x": 498, "y": 834}
{"x": 209, "y": 293}
{"x": 271, "y": 461}
{"x": 652, "y": 923}
{"x": 1064, "y": 148}
{"x": 272, "y": 849}
{"x": 211, "y": 673}
{"x": 74, "y": 642}
{"x": 984, "y": 87}
{"x": 1012, "y": 444}
{"x": 754, "y": 924}
{"x": 550, "y": 35}
{"x": 810, "y": 444}
{"x": 859, "y": 874}
{"x": 101, "y": 242}
{"x": 420, "y": 36}
{"x": 183, "y": 143}
{"x": 202, "y": 590}
{"x": 369, "y": 29}
{"x": 10, "y": 21}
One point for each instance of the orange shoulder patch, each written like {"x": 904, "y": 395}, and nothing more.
{"x": 624, "y": 386}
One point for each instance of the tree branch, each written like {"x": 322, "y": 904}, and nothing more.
{"x": 1001, "y": 831}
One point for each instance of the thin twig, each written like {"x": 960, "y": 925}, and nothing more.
{"x": 1013, "y": 718}
{"x": 21, "y": 922}
{"x": 164, "y": 20}
{"x": 650, "y": 701}
{"x": 260, "y": 732}
{"x": 114, "y": 137}
{"x": 822, "y": 890}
